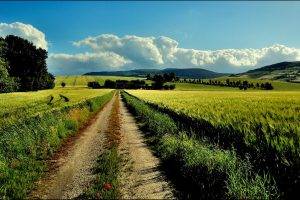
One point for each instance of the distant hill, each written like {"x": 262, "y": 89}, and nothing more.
{"x": 182, "y": 73}
{"x": 284, "y": 71}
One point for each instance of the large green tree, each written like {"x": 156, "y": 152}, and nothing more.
{"x": 7, "y": 83}
{"x": 27, "y": 63}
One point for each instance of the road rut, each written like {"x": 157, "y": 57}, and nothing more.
{"x": 74, "y": 172}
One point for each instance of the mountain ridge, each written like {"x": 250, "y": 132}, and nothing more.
{"x": 180, "y": 72}
{"x": 284, "y": 71}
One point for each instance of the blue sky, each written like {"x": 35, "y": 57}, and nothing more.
{"x": 194, "y": 25}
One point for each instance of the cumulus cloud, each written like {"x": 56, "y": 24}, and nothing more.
{"x": 85, "y": 62}
{"x": 26, "y": 31}
{"x": 110, "y": 52}
{"x": 141, "y": 49}
{"x": 160, "y": 52}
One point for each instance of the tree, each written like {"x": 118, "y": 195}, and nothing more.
{"x": 245, "y": 85}
{"x": 110, "y": 84}
{"x": 172, "y": 87}
{"x": 94, "y": 85}
{"x": 157, "y": 85}
{"x": 63, "y": 84}
{"x": 227, "y": 82}
{"x": 28, "y": 63}
{"x": 7, "y": 84}
{"x": 148, "y": 77}
{"x": 268, "y": 86}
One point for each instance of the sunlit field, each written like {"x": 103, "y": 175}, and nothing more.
{"x": 243, "y": 111}
{"x": 17, "y": 105}
{"x": 262, "y": 126}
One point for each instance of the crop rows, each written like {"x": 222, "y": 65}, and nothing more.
{"x": 261, "y": 126}
{"x": 197, "y": 168}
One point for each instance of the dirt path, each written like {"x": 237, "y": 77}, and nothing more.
{"x": 74, "y": 171}
{"x": 141, "y": 178}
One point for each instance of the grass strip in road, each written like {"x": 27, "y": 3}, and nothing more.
{"x": 106, "y": 183}
{"x": 200, "y": 169}
{"x": 108, "y": 167}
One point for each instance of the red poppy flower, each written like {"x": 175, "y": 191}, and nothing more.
{"x": 107, "y": 186}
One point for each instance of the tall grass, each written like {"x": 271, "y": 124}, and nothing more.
{"x": 25, "y": 144}
{"x": 209, "y": 171}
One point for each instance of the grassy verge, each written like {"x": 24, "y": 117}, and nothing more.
{"x": 26, "y": 144}
{"x": 205, "y": 170}
{"x": 108, "y": 168}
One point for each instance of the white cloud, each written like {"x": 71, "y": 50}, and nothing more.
{"x": 85, "y": 62}
{"x": 141, "y": 49}
{"x": 160, "y": 52}
{"x": 26, "y": 31}
{"x": 119, "y": 53}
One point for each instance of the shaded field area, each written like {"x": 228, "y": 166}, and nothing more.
{"x": 262, "y": 128}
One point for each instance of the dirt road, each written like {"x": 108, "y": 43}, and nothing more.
{"x": 140, "y": 178}
{"x": 74, "y": 172}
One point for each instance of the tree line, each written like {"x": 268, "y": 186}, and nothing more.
{"x": 242, "y": 85}
{"x": 23, "y": 66}
{"x": 132, "y": 84}
{"x": 158, "y": 83}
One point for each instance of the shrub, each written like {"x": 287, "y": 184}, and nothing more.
{"x": 172, "y": 87}
{"x": 110, "y": 84}
{"x": 94, "y": 85}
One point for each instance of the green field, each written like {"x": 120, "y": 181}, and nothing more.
{"x": 278, "y": 85}
{"x": 17, "y": 105}
{"x": 265, "y": 125}
{"x": 243, "y": 112}
{"x": 200, "y": 168}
